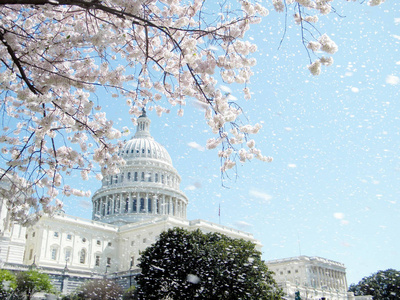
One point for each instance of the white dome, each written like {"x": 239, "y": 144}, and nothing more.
{"x": 147, "y": 185}
{"x": 144, "y": 147}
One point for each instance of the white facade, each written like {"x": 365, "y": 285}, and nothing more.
{"x": 130, "y": 211}
{"x": 313, "y": 277}
{"x": 12, "y": 237}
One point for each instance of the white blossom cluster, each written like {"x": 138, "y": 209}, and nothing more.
{"x": 154, "y": 53}
{"x": 306, "y": 13}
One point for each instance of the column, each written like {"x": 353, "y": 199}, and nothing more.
{"x": 122, "y": 202}
{"x": 112, "y": 204}
{"x": 154, "y": 201}
{"x": 138, "y": 202}
{"x": 129, "y": 202}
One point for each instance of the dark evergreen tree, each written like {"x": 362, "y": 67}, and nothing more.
{"x": 194, "y": 265}
{"x": 382, "y": 285}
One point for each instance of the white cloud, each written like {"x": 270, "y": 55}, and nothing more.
{"x": 196, "y": 146}
{"x": 291, "y": 165}
{"x": 338, "y": 215}
{"x": 242, "y": 224}
{"x": 393, "y": 80}
{"x": 260, "y": 195}
{"x": 190, "y": 188}
{"x": 355, "y": 90}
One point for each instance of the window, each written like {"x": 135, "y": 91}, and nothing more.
{"x": 144, "y": 241}
{"x": 97, "y": 261}
{"x": 141, "y": 204}
{"x": 116, "y": 179}
{"x": 132, "y": 243}
{"x": 69, "y": 237}
{"x": 98, "y": 242}
{"x": 288, "y": 271}
{"x": 54, "y": 253}
{"x": 132, "y": 261}
{"x": 126, "y": 205}
{"x": 83, "y": 240}
{"x": 82, "y": 256}
{"x": 108, "y": 261}
{"x": 33, "y": 234}
{"x": 30, "y": 254}
{"x": 149, "y": 177}
{"x": 55, "y": 234}
{"x": 134, "y": 205}
{"x": 129, "y": 176}
{"x": 142, "y": 176}
{"x": 156, "y": 177}
{"x": 149, "y": 205}
{"x": 109, "y": 244}
{"x": 67, "y": 254}
{"x": 136, "y": 176}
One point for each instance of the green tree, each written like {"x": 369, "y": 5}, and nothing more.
{"x": 7, "y": 276}
{"x": 99, "y": 290}
{"x": 382, "y": 285}
{"x": 194, "y": 265}
{"x": 33, "y": 281}
{"x": 130, "y": 294}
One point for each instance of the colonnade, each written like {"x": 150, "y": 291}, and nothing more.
{"x": 139, "y": 202}
{"x": 328, "y": 277}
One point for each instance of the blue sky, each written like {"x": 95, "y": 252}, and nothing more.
{"x": 334, "y": 185}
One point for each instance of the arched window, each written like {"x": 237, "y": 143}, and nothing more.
{"x": 68, "y": 253}
{"x": 136, "y": 176}
{"x": 129, "y": 176}
{"x": 82, "y": 256}
{"x": 54, "y": 252}
{"x": 156, "y": 177}
{"x": 149, "y": 206}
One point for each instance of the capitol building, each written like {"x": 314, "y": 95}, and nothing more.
{"x": 130, "y": 210}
